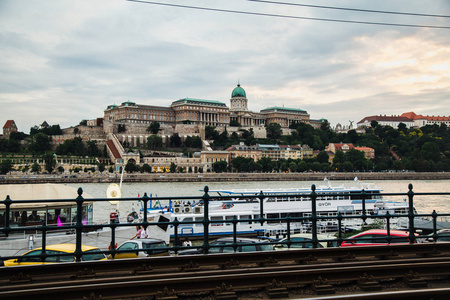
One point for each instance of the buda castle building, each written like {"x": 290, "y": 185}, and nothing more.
{"x": 189, "y": 116}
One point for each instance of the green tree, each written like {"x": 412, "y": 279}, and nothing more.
{"x": 154, "y": 142}
{"x": 323, "y": 157}
{"x": 121, "y": 128}
{"x": 146, "y": 168}
{"x": 101, "y": 167}
{"x": 154, "y": 127}
{"x": 172, "y": 168}
{"x": 60, "y": 169}
{"x": 92, "y": 149}
{"x": 40, "y": 142}
{"x": 130, "y": 166}
{"x": 273, "y": 131}
{"x": 35, "y": 168}
{"x": 83, "y": 123}
{"x": 175, "y": 140}
{"x": 6, "y": 166}
{"x": 50, "y": 162}
{"x": 220, "y": 166}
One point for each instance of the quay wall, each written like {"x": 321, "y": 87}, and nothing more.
{"x": 183, "y": 177}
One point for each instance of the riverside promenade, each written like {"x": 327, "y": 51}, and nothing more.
{"x": 208, "y": 177}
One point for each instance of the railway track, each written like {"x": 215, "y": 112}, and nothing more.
{"x": 277, "y": 274}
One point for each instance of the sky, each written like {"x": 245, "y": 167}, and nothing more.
{"x": 65, "y": 61}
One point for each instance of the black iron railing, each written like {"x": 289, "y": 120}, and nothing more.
{"x": 78, "y": 227}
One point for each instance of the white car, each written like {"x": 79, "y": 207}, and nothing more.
{"x": 141, "y": 248}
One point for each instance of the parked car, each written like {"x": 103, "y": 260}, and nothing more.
{"x": 374, "y": 237}
{"x": 33, "y": 257}
{"x": 304, "y": 240}
{"x": 443, "y": 235}
{"x": 224, "y": 245}
{"x": 141, "y": 248}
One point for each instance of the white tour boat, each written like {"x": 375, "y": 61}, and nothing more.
{"x": 277, "y": 204}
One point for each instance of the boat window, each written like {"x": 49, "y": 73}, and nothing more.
{"x": 273, "y": 216}
{"x": 198, "y": 219}
{"x": 186, "y": 220}
{"x": 228, "y": 218}
{"x": 217, "y": 219}
{"x": 245, "y": 217}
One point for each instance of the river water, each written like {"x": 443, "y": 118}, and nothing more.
{"x": 423, "y": 204}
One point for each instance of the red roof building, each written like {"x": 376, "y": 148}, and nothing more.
{"x": 10, "y": 126}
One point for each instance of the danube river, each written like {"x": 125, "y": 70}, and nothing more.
{"x": 423, "y": 204}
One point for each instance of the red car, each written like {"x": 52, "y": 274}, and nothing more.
{"x": 375, "y": 237}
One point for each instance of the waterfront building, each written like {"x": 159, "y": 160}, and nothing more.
{"x": 245, "y": 151}
{"x": 274, "y": 152}
{"x": 369, "y": 153}
{"x": 208, "y": 158}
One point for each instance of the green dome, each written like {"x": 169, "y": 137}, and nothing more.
{"x": 238, "y": 92}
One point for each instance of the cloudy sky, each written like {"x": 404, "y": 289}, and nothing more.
{"x": 64, "y": 61}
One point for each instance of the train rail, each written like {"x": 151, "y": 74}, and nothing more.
{"x": 231, "y": 276}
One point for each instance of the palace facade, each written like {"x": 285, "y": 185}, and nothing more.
{"x": 190, "y": 111}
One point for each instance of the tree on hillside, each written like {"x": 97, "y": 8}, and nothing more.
{"x": 220, "y": 166}
{"x": 35, "y": 168}
{"x": 50, "y": 162}
{"x": 154, "y": 127}
{"x": 172, "y": 168}
{"x": 40, "y": 142}
{"x": 101, "y": 167}
{"x": 175, "y": 140}
{"x": 273, "y": 131}
{"x": 154, "y": 142}
{"x": 323, "y": 157}
{"x": 5, "y": 166}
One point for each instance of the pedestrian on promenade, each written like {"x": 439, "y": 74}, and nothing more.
{"x": 138, "y": 234}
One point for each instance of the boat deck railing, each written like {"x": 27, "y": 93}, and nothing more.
{"x": 314, "y": 219}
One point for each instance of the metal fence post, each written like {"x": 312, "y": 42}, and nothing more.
{"x": 261, "y": 208}
{"x": 8, "y": 202}
{"x": 206, "y": 220}
{"x": 79, "y": 225}
{"x": 145, "y": 199}
{"x": 412, "y": 237}
{"x": 314, "y": 215}
{"x": 175, "y": 235}
{"x": 434, "y": 216}
{"x": 363, "y": 199}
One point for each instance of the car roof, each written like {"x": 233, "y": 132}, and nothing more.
{"x": 67, "y": 247}
{"x": 240, "y": 240}
{"x": 384, "y": 231}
